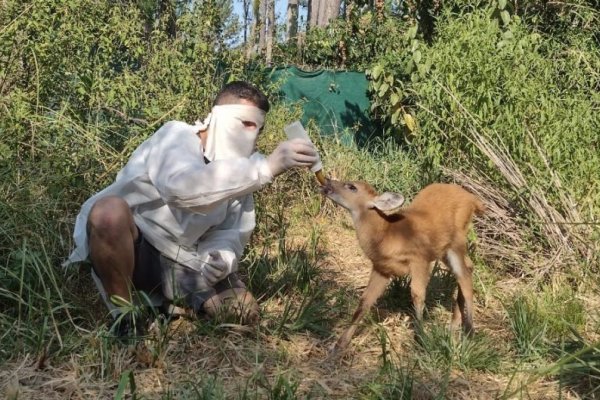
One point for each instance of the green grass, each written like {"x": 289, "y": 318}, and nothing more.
{"x": 202, "y": 388}
{"x": 561, "y": 308}
{"x": 579, "y": 368}
{"x": 394, "y": 382}
{"x": 306, "y": 313}
{"x": 440, "y": 348}
{"x": 37, "y": 317}
{"x": 528, "y": 327}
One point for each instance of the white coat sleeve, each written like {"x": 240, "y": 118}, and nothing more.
{"x": 230, "y": 237}
{"x": 177, "y": 169}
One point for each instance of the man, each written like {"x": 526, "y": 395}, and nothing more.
{"x": 175, "y": 221}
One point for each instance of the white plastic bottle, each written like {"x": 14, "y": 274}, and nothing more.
{"x": 296, "y": 130}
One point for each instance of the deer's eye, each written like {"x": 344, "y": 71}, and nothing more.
{"x": 351, "y": 187}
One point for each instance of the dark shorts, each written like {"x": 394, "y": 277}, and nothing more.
{"x": 151, "y": 267}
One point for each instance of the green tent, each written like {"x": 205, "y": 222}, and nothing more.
{"x": 337, "y": 101}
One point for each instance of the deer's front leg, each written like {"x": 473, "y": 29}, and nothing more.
{"x": 375, "y": 288}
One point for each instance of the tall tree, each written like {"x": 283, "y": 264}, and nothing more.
{"x": 254, "y": 45}
{"x": 321, "y": 12}
{"x": 246, "y": 17}
{"x": 261, "y": 24}
{"x": 313, "y": 13}
{"x": 292, "y": 20}
{"x": 270, "y": 30}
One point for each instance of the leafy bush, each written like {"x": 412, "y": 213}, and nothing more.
{"x": 351, "y": 42}
{"x": 494, "y": 96}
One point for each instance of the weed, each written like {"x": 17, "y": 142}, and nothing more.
{"x": 259, "y": 386}
{"x": 290, "y": 269}
{"x": 305, "y": 314}
{"x": 439, "y": 291}
{"x": 440, "y": 347}
{"x": 529, "y": 328}
{"x": 560, "y": 308}
{"x": 579, "y": 368}
{"x": 201, "y": 388}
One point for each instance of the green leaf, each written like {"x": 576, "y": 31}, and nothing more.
{"x": 377, "y": 70}
{"x": 383, "y": 89}
{"x": 417, "y": 56}
{"x": 127, "y": 378}
{"x": 394, "y": 99}
{"x": 395, "y": 116}
{"x": 505, "y": 17}
{"x": 412, "y": 32}
{"x": 501, "y": 4}
{"x": 409, "y": 121}
{"x": 414, "y": 45}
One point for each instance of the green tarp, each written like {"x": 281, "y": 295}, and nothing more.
{"x": 337, "y": 101}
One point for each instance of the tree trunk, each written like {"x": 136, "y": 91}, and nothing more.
{"x": 292, "y": 20}
{"x": 261, "y": 24}
{"x": 246, "y": 17}
{"x": 313, "y": 12}
{"x": 253, "y": 46}
{"x": 333, "y": 11}
{"x": 323, "y": 11}
{"x": 343, "y": 47}
{"x": 270, "y": 29}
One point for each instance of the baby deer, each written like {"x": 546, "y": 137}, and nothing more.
{"x": 401, "y": 241}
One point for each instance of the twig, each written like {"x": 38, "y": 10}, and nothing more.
{"x": 124, "y": 116}
{"x": 15, "y": 19}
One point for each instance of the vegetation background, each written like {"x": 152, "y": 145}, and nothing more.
{"x": 499, "y": 96}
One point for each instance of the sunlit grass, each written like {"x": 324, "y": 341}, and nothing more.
{"x": 439, "y": 347}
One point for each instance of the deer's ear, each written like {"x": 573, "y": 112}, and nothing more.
{"x": 388, "y": 203}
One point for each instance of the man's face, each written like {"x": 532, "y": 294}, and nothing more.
{"x": 234, "y": 129}
{"x": 248, "y": 124}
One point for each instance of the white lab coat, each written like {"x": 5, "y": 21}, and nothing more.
{"x": 183, "y": 206}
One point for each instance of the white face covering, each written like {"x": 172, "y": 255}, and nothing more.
{"x": 227, "y": 137}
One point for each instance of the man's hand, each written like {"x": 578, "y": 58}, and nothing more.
{"x": 292, "y": 153}
{"x": 215, "y": 269}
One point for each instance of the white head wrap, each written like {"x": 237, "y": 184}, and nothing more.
{"x": 227, "y": 136}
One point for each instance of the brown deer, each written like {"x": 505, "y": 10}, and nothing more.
{"x": 405, "y": 240}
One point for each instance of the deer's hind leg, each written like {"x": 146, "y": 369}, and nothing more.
{"x": 462, "y": 267}
{"x": 420, "y": 273}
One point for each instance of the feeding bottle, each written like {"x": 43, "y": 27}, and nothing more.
{"x": 296, "y": 130}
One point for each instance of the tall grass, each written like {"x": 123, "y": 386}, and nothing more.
{"x": 39, "y": 316}
{"x": 528, "y": 327}
{"x": 441, "y": 348}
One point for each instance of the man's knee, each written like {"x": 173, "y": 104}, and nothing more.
{"x": 109, "y": 216}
